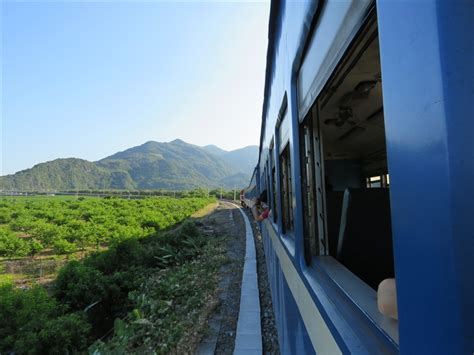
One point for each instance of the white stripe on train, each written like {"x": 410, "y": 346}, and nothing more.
{"x": 319, "y": 333}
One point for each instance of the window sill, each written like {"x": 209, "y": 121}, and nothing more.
{"x": 363, "y": 297}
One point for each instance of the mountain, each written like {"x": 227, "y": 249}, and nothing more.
{"x": 153, "y": 165}
{"x": 64, "y": 174}
{"x": 211, "y": 148}
{"x": 244, "y": 159}
{"x": 176, "y": 165}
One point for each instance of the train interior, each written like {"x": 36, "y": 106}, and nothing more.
{"x": 356, "y": 176}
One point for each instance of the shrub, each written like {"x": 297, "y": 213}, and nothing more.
{"x": 66, "y": 333}
{"x": 31, "y": 322}
{"x": 11, "y": 245}
{"x": 62, "y": 246}
{"x": 78, "y": 285}
{"x": 128, "y": 253}
{"x": 118, "y": 287}
{"x": 5, "y": 216}
{"x": 121, "y": 256}
{"x": 21, "y": 309}
{"x": 34, "y": 246}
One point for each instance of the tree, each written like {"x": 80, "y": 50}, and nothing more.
{"x": 11, "y": 245}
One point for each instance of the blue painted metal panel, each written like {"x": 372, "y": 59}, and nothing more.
{"x": 292, "y": 334}
{"x": 427, "y": 72}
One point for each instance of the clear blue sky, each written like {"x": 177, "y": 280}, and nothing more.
{"x": 89, "y": 79}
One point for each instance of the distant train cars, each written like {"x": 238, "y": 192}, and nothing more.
{"x": 367, "y": 156}
{"x": 242, "y": 198}
{"x": 249, "y": 193}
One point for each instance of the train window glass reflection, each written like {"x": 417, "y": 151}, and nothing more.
{"x": 350, "y": 133}
{"x": 286, "y": 192}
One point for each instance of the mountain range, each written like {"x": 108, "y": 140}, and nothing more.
{"x": 153, "y": 165}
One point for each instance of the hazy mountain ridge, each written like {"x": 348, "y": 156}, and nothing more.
{"x": 152, "y": 165}
{"x": 211, "y": 148}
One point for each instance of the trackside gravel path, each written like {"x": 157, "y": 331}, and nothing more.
{"x": 227, "y": 221}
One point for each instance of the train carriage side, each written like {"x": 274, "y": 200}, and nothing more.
{"x": 367, "y": 156}
{"x": 251, "y": 191}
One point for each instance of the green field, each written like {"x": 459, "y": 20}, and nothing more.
{"x": 122, "y": 275}
{"x": 30, "y": 226}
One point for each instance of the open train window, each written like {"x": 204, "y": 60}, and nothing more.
{"x": 264, "y": 179}
{"x": 312, "y": 192}
{"x": 286, "y": 190}
{"x": 343, "y": 143}
{"x": 272, "y": 183}
{"x": 274, "y": 207}
{"x": 268, "y": 184}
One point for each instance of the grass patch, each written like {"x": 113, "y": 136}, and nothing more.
{"x": 170, "y": 308}
{"x": 7, "y": 279}
{"x": 205, "y": 211}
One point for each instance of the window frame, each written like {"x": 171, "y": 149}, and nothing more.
{"x": 273, "y": 182}
{"x": 357, "y": 294}
{"x": 308, "y": 190}
{"x": 286, "y": 190}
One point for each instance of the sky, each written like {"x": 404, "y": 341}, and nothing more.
{"x": 89, "y": 79}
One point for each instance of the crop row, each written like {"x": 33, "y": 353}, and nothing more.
{"x": 29, "y": 226}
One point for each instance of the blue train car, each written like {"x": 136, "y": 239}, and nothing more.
{"x": 251, "y": 191}
{"x": 367, "y": 155}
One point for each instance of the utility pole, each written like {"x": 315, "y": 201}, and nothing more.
{"x": 234, "y": 192}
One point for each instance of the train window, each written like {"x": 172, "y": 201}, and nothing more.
{"x": 267, "y": 184}
{"x": 286, "y": 190}
{"x": 263, "y": 178}
{"x": 378, "y": 181}
{"x": 310, "y": 168}
{"x": 346, "y": 124}
{"x": 374, "y": 181}
{"x": 272, "y": 185}
{"x": 274, "y": 189}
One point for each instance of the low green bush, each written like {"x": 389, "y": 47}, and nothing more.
{"x": 11, "y": 245}
{"x": 78, "y": 285}
{"x": 31, "y": 322}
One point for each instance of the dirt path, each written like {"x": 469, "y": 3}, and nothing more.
{"x": 227, "y": 221}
